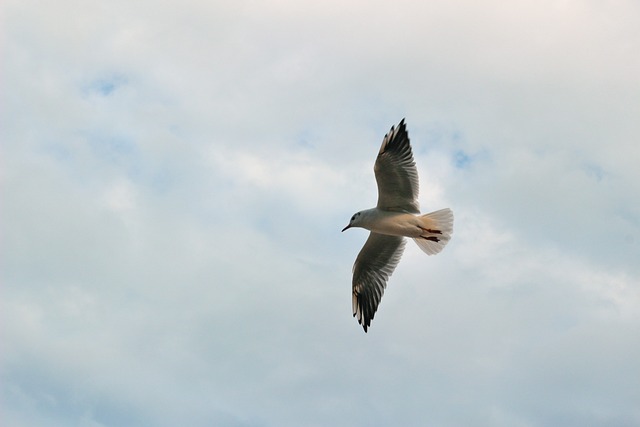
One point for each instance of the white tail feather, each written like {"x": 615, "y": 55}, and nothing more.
{"x": 438, "y": 227}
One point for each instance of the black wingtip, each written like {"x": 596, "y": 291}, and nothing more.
{"x": 364, "y": 324}
{"x": 398, "y": 132}
{"x": 402, "y": 124}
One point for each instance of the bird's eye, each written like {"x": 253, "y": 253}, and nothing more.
{"x": 353, "y": 217}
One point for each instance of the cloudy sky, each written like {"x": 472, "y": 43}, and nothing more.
{"x": 175, "y": 176}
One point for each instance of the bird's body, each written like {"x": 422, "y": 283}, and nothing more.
{"x": 394, "y": 223}
{"x": 396, "y": 216}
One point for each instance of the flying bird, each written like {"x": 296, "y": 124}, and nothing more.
{"x": 396, "y": 216}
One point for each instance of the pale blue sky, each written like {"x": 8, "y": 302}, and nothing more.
{"x": 175, "y": 176}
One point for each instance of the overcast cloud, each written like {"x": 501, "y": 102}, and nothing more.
{"x": 175, "y": 176}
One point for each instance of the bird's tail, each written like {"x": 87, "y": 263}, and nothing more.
{"x": 437, "y": 228}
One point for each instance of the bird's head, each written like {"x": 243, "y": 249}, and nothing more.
{"x": 355, "y": 220}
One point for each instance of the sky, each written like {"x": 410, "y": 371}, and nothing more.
{"x": 175, "y": 175}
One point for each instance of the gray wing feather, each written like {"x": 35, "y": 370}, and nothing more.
{"x": 396, "y": 172}
{"x": 374, "y": 265}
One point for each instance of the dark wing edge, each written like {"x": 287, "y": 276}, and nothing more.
{"x": 396, "y": 172}
{"x": 374, "y": 265}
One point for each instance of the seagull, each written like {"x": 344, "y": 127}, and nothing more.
{"x": 396, "y": 216}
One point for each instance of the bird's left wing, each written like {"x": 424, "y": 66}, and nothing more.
{"x": 374, "y": 265}
{"x": 396, "y": 172}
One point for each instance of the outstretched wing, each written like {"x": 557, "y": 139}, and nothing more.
{"x": 374, "y": 265}
{"x": 396, "y": 172}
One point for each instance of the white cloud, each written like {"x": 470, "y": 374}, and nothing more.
{"x": 175, "y": 178}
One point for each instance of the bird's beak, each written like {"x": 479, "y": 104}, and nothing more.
{"x": 348, "y": 226}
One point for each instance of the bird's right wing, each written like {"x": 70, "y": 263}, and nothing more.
{"x": 374, "y": 265}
